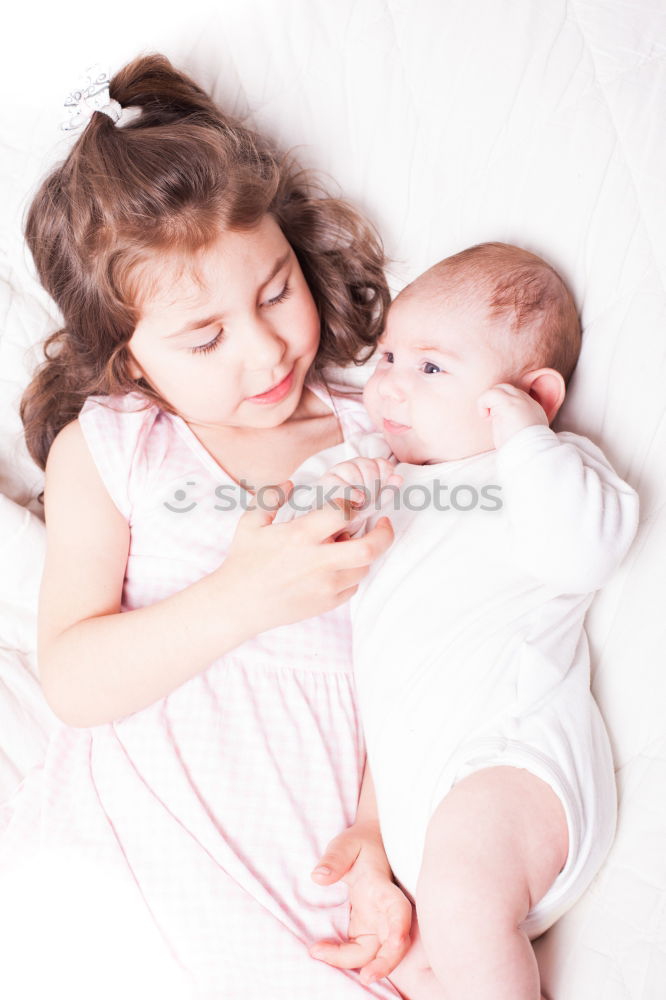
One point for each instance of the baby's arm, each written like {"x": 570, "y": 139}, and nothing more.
{"x": 98, "y": 663}
{"x": 571, "y": 518}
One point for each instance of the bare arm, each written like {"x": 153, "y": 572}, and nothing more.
{"x": 104, "y": 668}
{"x": 98, "y": 664}
{"x": 366, "y": 812}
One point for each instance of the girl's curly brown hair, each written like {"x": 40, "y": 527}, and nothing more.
{"x": 169, "y": 181}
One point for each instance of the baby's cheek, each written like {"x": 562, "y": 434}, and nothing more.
{"x": 370, "y": 401}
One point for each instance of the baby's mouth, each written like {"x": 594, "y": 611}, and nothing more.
{"x": 394, "y": 428}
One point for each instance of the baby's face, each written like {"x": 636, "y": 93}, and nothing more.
{"x": 436, "y": 359}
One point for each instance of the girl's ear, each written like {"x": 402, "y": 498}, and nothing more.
{"x": 133, "y": 369}
{"x": 546, "y": 385}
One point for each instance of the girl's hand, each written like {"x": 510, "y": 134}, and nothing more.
{"x": 283, "y": 573}
{"x": 380, "y": 914}
{"x": 510, "y": 409}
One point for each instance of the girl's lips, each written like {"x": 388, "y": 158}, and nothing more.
{"x": 394, "y": 428}
{"x": 277, "y": 393}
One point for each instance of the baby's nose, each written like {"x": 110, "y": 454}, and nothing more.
{"x": 390, "y": 388}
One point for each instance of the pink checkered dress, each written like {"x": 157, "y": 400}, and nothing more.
{"x": 210, "y": 808}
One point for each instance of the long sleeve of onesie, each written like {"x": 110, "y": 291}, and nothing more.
{"x": 571, "y": 518}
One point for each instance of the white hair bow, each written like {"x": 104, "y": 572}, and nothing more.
{"x": 92, "y": 94}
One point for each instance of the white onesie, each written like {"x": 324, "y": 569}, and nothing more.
{"x": 469, "y": 648}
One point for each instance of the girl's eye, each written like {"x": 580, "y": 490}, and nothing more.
{"x": 281, "y": 297}
{"x": 217, "y": 339}
{"x": 388, "y": 356}
{"x": 433, "y": 368}
{"x": 210, "y": 346}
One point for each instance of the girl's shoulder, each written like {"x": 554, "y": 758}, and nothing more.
{"x": 129, "y": 402}
{"x": 119, "y": 422}
{"x": 122, "y": 433}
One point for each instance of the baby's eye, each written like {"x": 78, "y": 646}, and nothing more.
{"x": 387, "y": 356}
{"x": 431, "y": 369}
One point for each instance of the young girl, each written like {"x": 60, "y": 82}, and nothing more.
{"x": 197, "y": 655}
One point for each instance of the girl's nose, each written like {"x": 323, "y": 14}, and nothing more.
{"x": 265, "y": 349}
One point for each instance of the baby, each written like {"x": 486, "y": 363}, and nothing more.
{"x": 492, "y": 768}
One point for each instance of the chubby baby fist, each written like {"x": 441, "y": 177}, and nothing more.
{"x": 361, "y": 480}
{"x": 510, "y": 409}
{"x": 358, "y": 484}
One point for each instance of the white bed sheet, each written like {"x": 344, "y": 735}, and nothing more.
{"x": 449, "y": 123}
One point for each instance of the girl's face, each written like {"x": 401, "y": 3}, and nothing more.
{"x": 234, "y": 350}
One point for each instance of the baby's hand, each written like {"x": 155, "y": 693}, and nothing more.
{"x": 355, "y": 485}
{"x": 359, "y": 480}
{"x": 510, "y": 409}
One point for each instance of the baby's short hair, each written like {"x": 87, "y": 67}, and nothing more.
{"x": 520, "y": 289}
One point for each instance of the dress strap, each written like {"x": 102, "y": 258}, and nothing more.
{"x": 348, "y": 407}
{"x": 116, "y": 429}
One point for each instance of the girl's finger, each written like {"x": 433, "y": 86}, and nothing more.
{"x": 396, "y": 945}
{"x": 389, "y": 956}
{"x": 271, "y": 500}
{"x": 338, "y": 858}
{"x": 322, "y": 523}
{"x": 350, "y": 578}
{"x": 358, "y": 552}
{"x": 335, "y": 491}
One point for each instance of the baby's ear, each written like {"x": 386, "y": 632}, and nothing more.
{"x": 546, "y": 385}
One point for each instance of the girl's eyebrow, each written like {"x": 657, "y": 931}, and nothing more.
{"x": 199, "y": 324}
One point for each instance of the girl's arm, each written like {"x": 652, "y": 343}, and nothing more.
{"x": 98, "y": 664}
{"x": 366, "y": 812}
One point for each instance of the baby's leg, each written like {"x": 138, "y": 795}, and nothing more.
{"x": 494, "y": 846}
{"x": 413, "y": 977}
